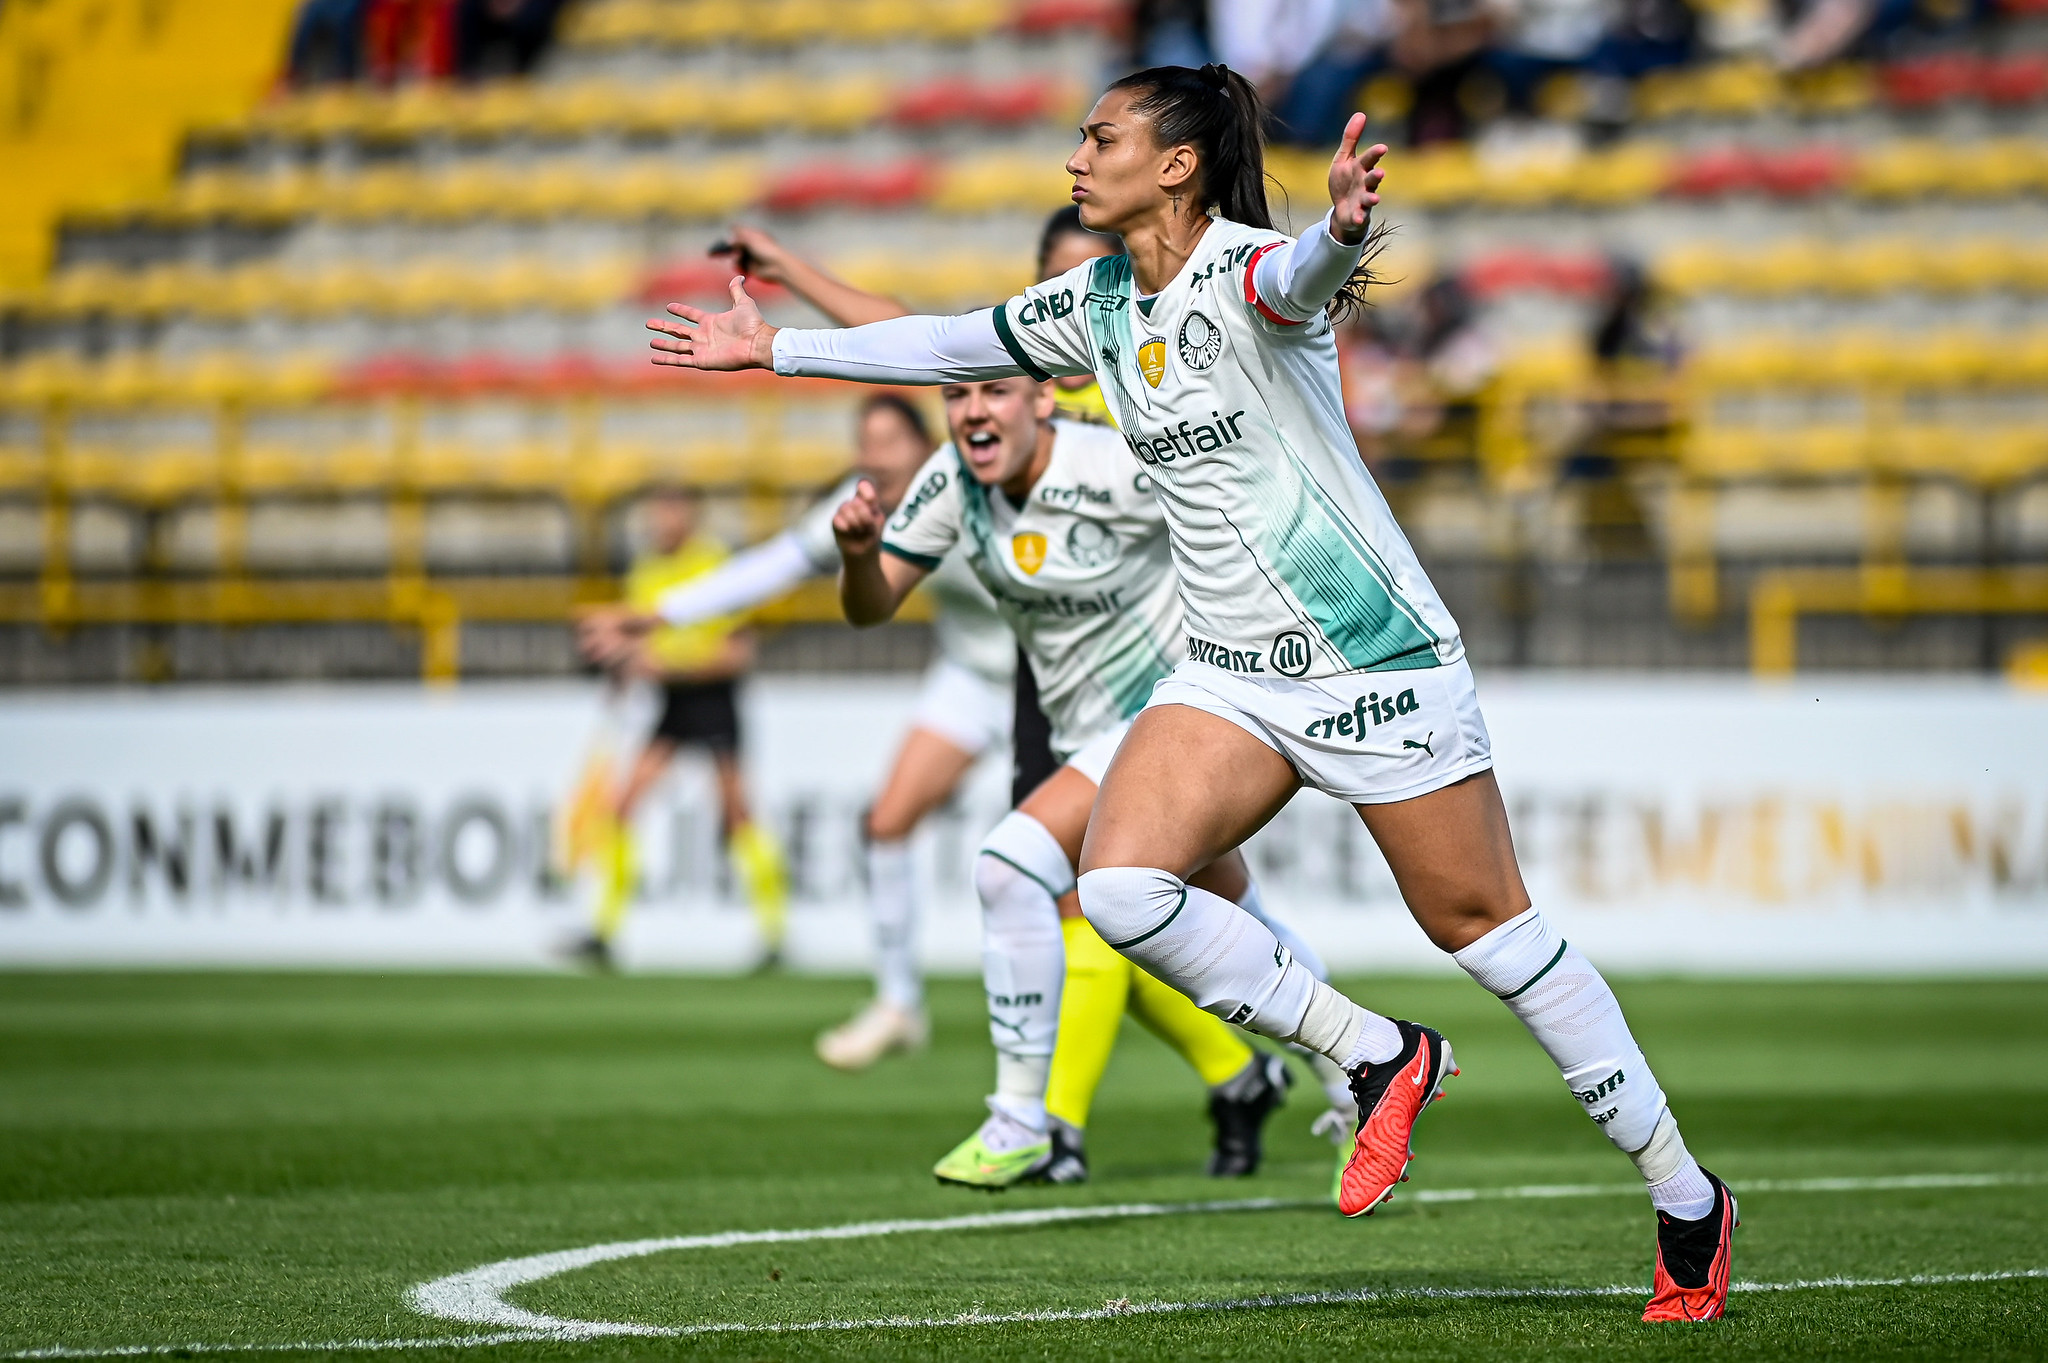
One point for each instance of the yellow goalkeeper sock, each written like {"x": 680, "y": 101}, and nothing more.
{"x": 1202, "y": 1039}
{"x": 1091, "y": 1009}
{"x": 619, "y": 867}
{"x": 764, "y": 879}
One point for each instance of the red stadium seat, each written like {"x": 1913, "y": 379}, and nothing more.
{"x": 1800, "y": 172}
{"x": 937, "y": 103}
{"x": 484, "y": 373}
{"x": 396, "y": 372}
{"x": 1928, "y": 81}
{"x": 951, "y": 101}
{"x": 2016, "y": 80}
{"x": 700, "y": 277}
{"x": 1495, "y": 273}
{"x": 1050, "y": 16}
{"x": 1715, "y": 171}
{"x": 812, "y": 187}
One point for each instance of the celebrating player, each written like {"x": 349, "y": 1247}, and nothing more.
{"x": 1318, "y": 651}
{"x": 1066, "y": 534}
{"x": 962, "y": 709}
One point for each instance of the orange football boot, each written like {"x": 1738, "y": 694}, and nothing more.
{"x": 1390, "y": 1097}
{"x": 1693, "y": 1260}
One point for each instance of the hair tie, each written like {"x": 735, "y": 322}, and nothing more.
{"x": 1216, "y": 75}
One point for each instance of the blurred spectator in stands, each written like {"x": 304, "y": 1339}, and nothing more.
{"x": 1324, "y": 93}
{"x": 406, "y": 40}
{"x": 1413, "y": 370}
{"x": 1267, "y": 41}
{"x": 1438, "y": 44}
{"x": 327, "y": 41}
{"x": 502, "y": 37}
{"x": 1170, "y": 33}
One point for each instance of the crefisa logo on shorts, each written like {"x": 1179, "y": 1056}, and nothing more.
{"x": 1370, "y": 710}
{"x": 1290, "y": 654}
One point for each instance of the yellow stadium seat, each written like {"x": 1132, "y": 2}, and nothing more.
{"x": 1996, "y": 169}
{"x": 1837, "y": 88}
{"x": 373, "y": 194}
{"x": 1440, "y": 177}
{"x": 960, "y": 20}
{"x": 1795, "y": 265}
{"x": 1903, "y": 169}
{"x": 1972, "y": 265}
{"x": 1876, "y": 265}
{"x": 576, "y": 110}
{"x": 1626, "y": 174}
{"x": 748, "y": 107}
{"x": 1002, "y": 182}
{"x": 840, "y": 106}
{"x": 1695, "y": 268}
{"x": 786, "y": 23}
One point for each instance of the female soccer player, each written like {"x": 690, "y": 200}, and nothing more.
{"x": 1318, "y": 651}
{"x": 1064, "y": 531}
{"x": 1099, "y": 984}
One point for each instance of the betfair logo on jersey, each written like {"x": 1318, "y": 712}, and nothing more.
{"x": 1352, "y": 724}
{"x": 1044, "y": 306}
{"x": 1187, "y": 440}
{"x": 1152, "y": 361}
{"x": 1029, "y": 551}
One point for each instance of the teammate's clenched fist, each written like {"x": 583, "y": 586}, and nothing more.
{"x": 857, "y": 525}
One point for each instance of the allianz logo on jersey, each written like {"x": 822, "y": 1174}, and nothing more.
{"x": 1187, "y": 440}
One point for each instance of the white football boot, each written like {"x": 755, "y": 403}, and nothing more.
{"x": 872, "y": 1033}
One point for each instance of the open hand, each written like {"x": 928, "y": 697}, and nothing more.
{"x": 857, "y": 524}
{"x": 735, "y": 339}
{"x": 1354, "y": 181}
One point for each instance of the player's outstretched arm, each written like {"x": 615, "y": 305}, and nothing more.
{"x": 872, "y": 584}
{"x": 961, "y": 349}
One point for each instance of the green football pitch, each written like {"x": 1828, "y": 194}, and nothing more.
{"x": 217, "y": 1162}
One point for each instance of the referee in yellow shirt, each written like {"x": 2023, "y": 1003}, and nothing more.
{"x": 697, "y": 667}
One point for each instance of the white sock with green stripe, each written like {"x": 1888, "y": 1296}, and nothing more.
{"x": 1575, "y": 1018}
{"x": 1020, "y": 875}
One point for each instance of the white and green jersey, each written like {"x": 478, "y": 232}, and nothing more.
{"x": 1082, "y": 572}
{"x": 1290, "y": 562}
{"x": 965, "y": 626}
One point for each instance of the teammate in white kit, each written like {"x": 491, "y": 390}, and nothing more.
{"x": 963, "y": 709}
{"x": 1318, "y": 652}
{"x": 1066, "y": 534}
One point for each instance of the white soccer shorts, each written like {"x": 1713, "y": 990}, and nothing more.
{"x": 1092, "y": 758}
{"x": 1368, "y": 738}
{"x": 963, "y": 707}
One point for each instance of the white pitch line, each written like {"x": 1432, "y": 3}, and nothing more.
{"x": 477, "y": 1295}
{"x": 1107, "y": 1311}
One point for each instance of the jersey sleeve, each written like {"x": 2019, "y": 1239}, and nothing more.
{"x": 927, "y": 524}
{"x": 1045, "y": 328}
{"x": 1290, "y": 282}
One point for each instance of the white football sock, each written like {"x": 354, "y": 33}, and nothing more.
{"x": 1254, "y": 903}
{"x": 1023, "y": 957}
{"x": 892, "y": 900}
{"x": 1575, "y": 1018}
{"x": 1224, "y": 959}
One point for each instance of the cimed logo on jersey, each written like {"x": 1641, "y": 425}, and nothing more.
{"x": 1028, "y": 549}
{"x": 1201, "y": 341}
{"x": 1152, "y": 361}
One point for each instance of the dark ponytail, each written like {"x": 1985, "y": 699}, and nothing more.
{"x": 1218, "y": 113}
